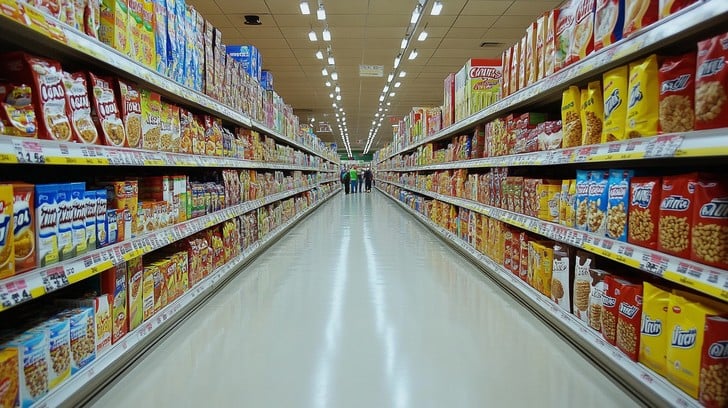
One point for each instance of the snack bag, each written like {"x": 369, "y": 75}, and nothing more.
{"x": 639, "y": 14}
{"x": 17, "y": 112}
{"x": 615, "y": 106}
{"x": 582, "y": 284}
{"x": 643, "y": 98}
{"x": 709, "y": 235}
{"x": 714, "y": 363}
{"x": 618, "y": 197}
{"x": 677, "y": 91}
{"x": 570, "y": 117}
{"x": 598, "y": 202}
{"x": 9, "y": 375}
{"x": 130, "y": 104}
{"x": 669, "y": 7}
{"x": 644, "y": 211}
{"x": 676, "y": 214}
{"x": 711, "y": 100}
{"x": 79, "y": 108}
{"x": 608, "y": 23}
{"x": 592, "y": 113}
{"x": 106, "y": 112}
{"x": 23, "y": 223}
{"x": 564, "y": 34}
{"x": 583, "y": 39}
{"x": 653, "y": 333}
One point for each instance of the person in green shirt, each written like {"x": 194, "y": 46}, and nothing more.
{"x": 354, "y": 179}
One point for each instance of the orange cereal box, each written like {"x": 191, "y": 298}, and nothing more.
{"x": 24, "y": 227}
{"x": 7, "y": 255}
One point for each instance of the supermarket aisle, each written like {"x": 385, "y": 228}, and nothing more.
{"x": 360, "y": 306}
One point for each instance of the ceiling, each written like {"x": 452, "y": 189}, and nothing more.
{"x": 368, "y": 32}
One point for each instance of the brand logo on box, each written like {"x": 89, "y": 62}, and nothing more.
{"x": 485, "y": 72}
{"x": 711, "y": 67}
{"x": 684, "y": 339}
{"x": 677, "y": 84}
{"x": 617, "y": 191}
{"x": 675, "y": 203}
{"x": 651, "y": 327}
{"x": 719, "y": 349}
{"x": 715, "y": 209}
{"x": 630, "y": 311}
{"x": 608, "y": 301}
{"x": 611, "y": 103}
{"x": 642, "y": 196}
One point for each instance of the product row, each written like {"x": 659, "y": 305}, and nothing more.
{"x": 678, "y": 334}
{"x": 47, "y": 223}
{"x": 49, "y": 341}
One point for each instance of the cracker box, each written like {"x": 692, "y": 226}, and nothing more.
{"x": 653, "y": 334}
{"x": 643, "y": 98}
{"x": 523, "y": 63}
{"x": 505, "y": 82}
{"x": 448, "y": 111}
{"x": 540, "y": 47}
{"x": 711, "y": 100}
{"x": 608, "y": 22}
{"x": 32, "y": 351}
{"x": 89, "y": 199}
{"x": 79, "y": 108}
{"x": 676, "y": 214}
{"x": 135, "y": 23}
{"x": 530, "y": 57}
{"x": 9, "y": 374}
{"x": 628, "y": 320}
{"x": 709, "y": 235}
{"x": 513, "y": 74}
{"x": 114, "y": 283}
{"x": 583, "y": 39}
{"x": 135, "y": 306}
{"x": 160, "y": 286}
{"x": 461, "y": 99}
{"x": 548, "y": 200}
{"x": 24, "y": 245}
{"x": 78, "y": 221}
{"x": 598, "y": 202}
{"x": 714, "y": 362}
{"x": 130, "y": 104}
{"x": 562, "y": 278}
{"x": 677, "y": 94}
{"x": 644, "y": 211}
{"x": 46, "y": 210}
{"x": 151, "y": 111}
{"x": 64, "y": 227}
{"x": 615, "y": 104}
{"x": 83, "y": 336}
{"x": 618, "y": 204}
{"x": 59, "y": 347}
{"x": 581, "y": 203}
{"x": 113, "y": 25}
{"x": 583, "y": 264}
{"x": 639, "y": 14}
{"x": 7, "y": 253}
{"x": 610, "y": 307}
{"x": 596, "y": 307}
{"x": 101, "y": 211}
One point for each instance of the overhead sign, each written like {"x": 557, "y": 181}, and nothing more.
{"x": 373, "y": 71}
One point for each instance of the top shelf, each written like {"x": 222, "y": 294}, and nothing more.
{"x": 679, "y": 26}
{"x": 62, "y": 40}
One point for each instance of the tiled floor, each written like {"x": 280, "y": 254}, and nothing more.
{"x": 360, "y": 306}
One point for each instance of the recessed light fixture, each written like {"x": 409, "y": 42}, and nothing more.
{"x": 402, "y": 74}
{"x": 326, "y": 34}
{"x": 252, "y": 20}
{"x": 341, "y": 109}
{"x": 319, "y": 55}
{"x": 397, "y": 59}
{"x": 389, "y": 77}
{"x": 397, "y": 84}
{"x": 304, "y": 7}
{"x": 331, "y": 60}
{"x": 331, "y": 96}
{"x": 423, "y": 36}
{"x": 380, "y": 109}
{"x": 381, "y": 98}
{"x": 415, "y": 15}
{"x": 321, "y": 13}
{"x": 386, "y": 88}
{"x": 328, "y": 83}
{"x": 324, "y": 71}
{"x": 334, "y": 76}
{"x": 333, "y": 104}
{"x": 389, "y": 103}
{"x": 436, "y": 8}
{"x": 413, "y": 54}
{"x": 404, "y": 43}
{"x": 376, "y": 115}
{"x": 312, "y": 35}
{"x": 337, "y": 89}
{"x": 338, "y": 97}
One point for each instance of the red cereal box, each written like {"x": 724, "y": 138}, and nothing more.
{"x": 638, "y": 14}
{"x": 610, "y": 307}
{"x": 676, "y": 214}
{"x": 106, "y": 112}
{"x": 608, "y": 22}
{"x": 677, "y": 90}
{"x": 710, "y": 223}
{"x": 79, "y": 108}
{"x": 711, "y": 98}
{"x": 130, "y": 104}
{"x": 714, "y": 363}
{"x": 629, "y": 319}
{"x": 644, "y": 211}
{"x": 668, "y": 7}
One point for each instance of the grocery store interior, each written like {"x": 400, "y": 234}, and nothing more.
{"x": 363, "y": 203}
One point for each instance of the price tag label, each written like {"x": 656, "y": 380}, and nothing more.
{"x": 54, "y": 279}
{"x": 29, "y": 152}
{"x": 14, "y": 293}
{"x": 663, "y": 146}
{"x": 582, "y": 154}
{"x": 652, "y": 263}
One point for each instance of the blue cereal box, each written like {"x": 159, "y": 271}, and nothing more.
{"x": 46, "y": 219}
{"x": 64, "y": 227}
{"x": 89, "y": 198}
{"x": 59, "y": 348}
{"x": 598, "y": 201}
{"x": 33, "y": 361}
{"x": 78, "y": 221}
{"x": 266, "y": 80}
{"x": 82, "y": 328}
{"x": 160, "y": 35}
{"x": 582, "y": 199}
{"x": 249, "y": 57}
{"x": 101, "y": 203}
{"x": 618, "y": 204}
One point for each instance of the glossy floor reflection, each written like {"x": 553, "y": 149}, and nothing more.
{"x": 360, "y": 306}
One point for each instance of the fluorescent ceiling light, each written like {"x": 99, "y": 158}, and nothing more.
{"x": 376, "y": 115}
{"x": 304, "y": 7}
{"x": 326, "y": 34}
{"x": 386, "y": 88}
{"x": 334, "y": 76}
{"x": 338, "y": 97}
{"x": 328, "y": 83}
{"x": 337, "y": 115}
{"x": 403, "y": 45}
{"x": 374, "y": 122}
{"x": 324, "y": 71}
{"x": 389, "y": 77}
{"x": 319, "y": 55}
{"x": 331, "y": 60}
{"x": 415, "y": 15}
{"x": 312, "y": 36}
{"x": 389, "y": 103}
{"x": 436, "y": 8}
{"x": 337, "y": 89}
{"x": 331, "y": 96}
{"x": 396, "y": 60}
{"x": 321, "y": 13}
{"x": 333, "y": 104}
{"x": 423, "y": 36}
{"x": 397, "y": 84}
{"x": 341, "y": 109}
{"x": 402, "y": 74}
{"x": 380, "y": 109}
{"x": 381, "y": 98}
{"x": 413, "y": 54}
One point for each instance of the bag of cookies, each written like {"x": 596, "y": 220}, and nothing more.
{"x": 709, "y": 235}
{"x": 638, "y": 14}
{"x": 618, "y": 196}
{"x": 570, "y": 117}
{"x": 643, "y": 98}
{"x": 592, "y": 113}
{"x": 676, "y": 214}
{"x": 17, "y": 115}
{"x": 562, "y": 276}
{"x": 598, "y": 202}
{"x": 106, "y": 112}
{"x": 644, "y": 211}
{"x": 79, "y": 108}
{"x": 677, "y": 90}
{"x": 582, "y": 284}
{"x": 629, "y": 304}
{"x": 615, "y": 107}
{"x": 711, "y": 100}
{"x": 714, "y": 363}
{"x": 653, "y": 334}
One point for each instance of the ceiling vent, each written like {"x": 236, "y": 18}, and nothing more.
{"x": 490, "y": 44}
{"x": 252, "y": 20}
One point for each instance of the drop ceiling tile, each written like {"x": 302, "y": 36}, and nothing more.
{"x": 486, "y": 8}
{"x": 347, "y": 32}
{"x": 473, "y": 43}
{"x": 267, "y": 33}
{"x": 433, "y": 32}
{"x": 279, "y": 53}
{"x": 291, "y": 20}
{"x": 205, "y": 7}
{"x": 242, "y": 7}
{"x": 348, "y": 43}
{"x": 345, "y": 7}
{"x": 346, "y": 20}
{"x": 285, "y": 6}
{"x": 385, "y": 32}
{"x": 441, "y": 21}
{"x": 383, "y": 43}
{"x": 391, "y": 7}
{"x": 450, "y": 8}
{"x": 515, "y": 21}
{"x": 388, "y": 20}
{"x": 475, "y": 21}
{"x": 531, "y": 7}
{"x": 301, "y": 43}
{"x": 271, "y": 61}
{"x": 463, "y": 32}
{"x": 264, "y": 44}
{"x": 455, "y": 52}
{"x": 218, "y": 20}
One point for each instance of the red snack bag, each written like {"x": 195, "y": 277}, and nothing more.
{"x": 130, "y": 104}
{"x": 676, "y": 214}
{"x": 639, "y": 14}
{"x": 644, "y": 211}
{"x": 677, "y": 90}
{"x": 610, "y": 307}
{"x": 714, "y": 363}
{"x": 105, "y": 112}
{"x": 79, "y": 108}
{"x": 709, "y": 235}
{"x": 629, "y": 319}
{"x": 711, "y": 97}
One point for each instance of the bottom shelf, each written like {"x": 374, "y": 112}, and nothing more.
{"x": 78, "y": 389}
{"x": 648, "y": 387}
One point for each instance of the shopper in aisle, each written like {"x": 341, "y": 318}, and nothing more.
{"x": 345, "y": 180}
{"x": 354, "y": 177}
{"x": 368, "y": 180}
{"x": 360, "y": 178}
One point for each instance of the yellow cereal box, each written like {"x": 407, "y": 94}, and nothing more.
{"x": 9, "y": 375}
{"x": 653, "y": 334}
{"x": 7, "y": 254}
{"x": 113, "y": 26}
{"x": 548, "y": 200}
{"x": 148, "y": 292}
{"x": 643, "y": 98}
{"x": 570, "y": 117}
{"x": 151, "y": 111}
{"x": 592, "y": 114}
{"x": 615, "y": 106}
{"x": 165, "y": 128}
{"x": 148, "y": 47}
{"x": 685, "y": 323}
{"x": 134, "y": 28}
{"x": 135, "y": 305}
{"x": 545, "y": 270}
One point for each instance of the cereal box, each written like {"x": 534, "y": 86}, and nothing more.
{"x": 581, "y": 203}
{"x": 89, "y": 199}
{"x": 513, "y": 73}
{"x": 448, "y": 111}
{"x": 582, "y": 284}
{"x": 550, "y": 37}
{"x": 106, "y": 112}
{"x": 172, "y": 40}
{"x": 148, "y": 290}
{"x": 114, "y": 19}
{"x": 677, "y": 91}
{"x": 548, "y": 200}
{"x": 540, "y": 50}
{"x": 78, "y": 221}
{"x": 160, "y": 287}
{"x": 530, "y": 55}
{"x": 160, "y": 36}
{"x": 175, "y": 131}
{"x": 151, "y": 111}
{"x": 653, "y": 334}
{"x": 135, "y": 25}
{"x": 598, "y": 202}
{"x": 32, "y": 350}
{"x": 89, "y": 18}
{"x": 483, "y": 83}
{"x": 676, "y": 214}
{"x": 571, "y": 117}
{"x": 7, "y": 253}
{"x": 147, "y": 51}
{"x": 112, "y": 226}
{"x": 564, "y": 34}
{"x": 566, "y": 203}
{"x": 23, "y": 223}
{"x": 618, "y": 204}
{"x": 639, "y": 14}
{"x": 130, "y": 104}
{"x": 711, "y": 100}
{"x": 165, "y": 128}
{"x": 523, "y": 63}
{"x": 64, "y": 227}
{"x": 9, "y": 374}
{"x": 46, "y": 210}
{"x": 135, "y": 305}
{"x": 610, "y": 307}
{"x": 114, "y": 283}
{"x": 101, "y": 211}
{"x": 669, "y": 7}
{"x": 592, "y": 114}
{"x": 615, "y": 108}
{"x": 583, "y": 35}
{"x": 562, "y": 278}
{"x": 608, "y": 23}
{"x": 59, "y": 345}
{"x": 709, "y": 233}
{"x": 79, "y": 108}
{"x": 83, "y": 336}
{"x": 644, "y": 210}
{"x": 685, "y": 325}
{"x": 643, "y": 98}
{"x": 628, "y": 322}
{"x": 596, "y": 307}
{"x": 17, "y": 112}
{"x": 714, "y": 362}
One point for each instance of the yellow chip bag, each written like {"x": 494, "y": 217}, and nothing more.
{"x": 643, "y": 98}
{"x": 570, "y": 118}
{"x": 685, "y": 323}
{"x": 615, "y": 107}
{"x": 592, "y": 113}
{"x": 653, "y": 337}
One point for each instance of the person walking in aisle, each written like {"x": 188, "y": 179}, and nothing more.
{"x": 368, "y": 176}
{"x": 345, "y": 180}
{"x": 354, "y": 178}
{"x": 360, "y": 178}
